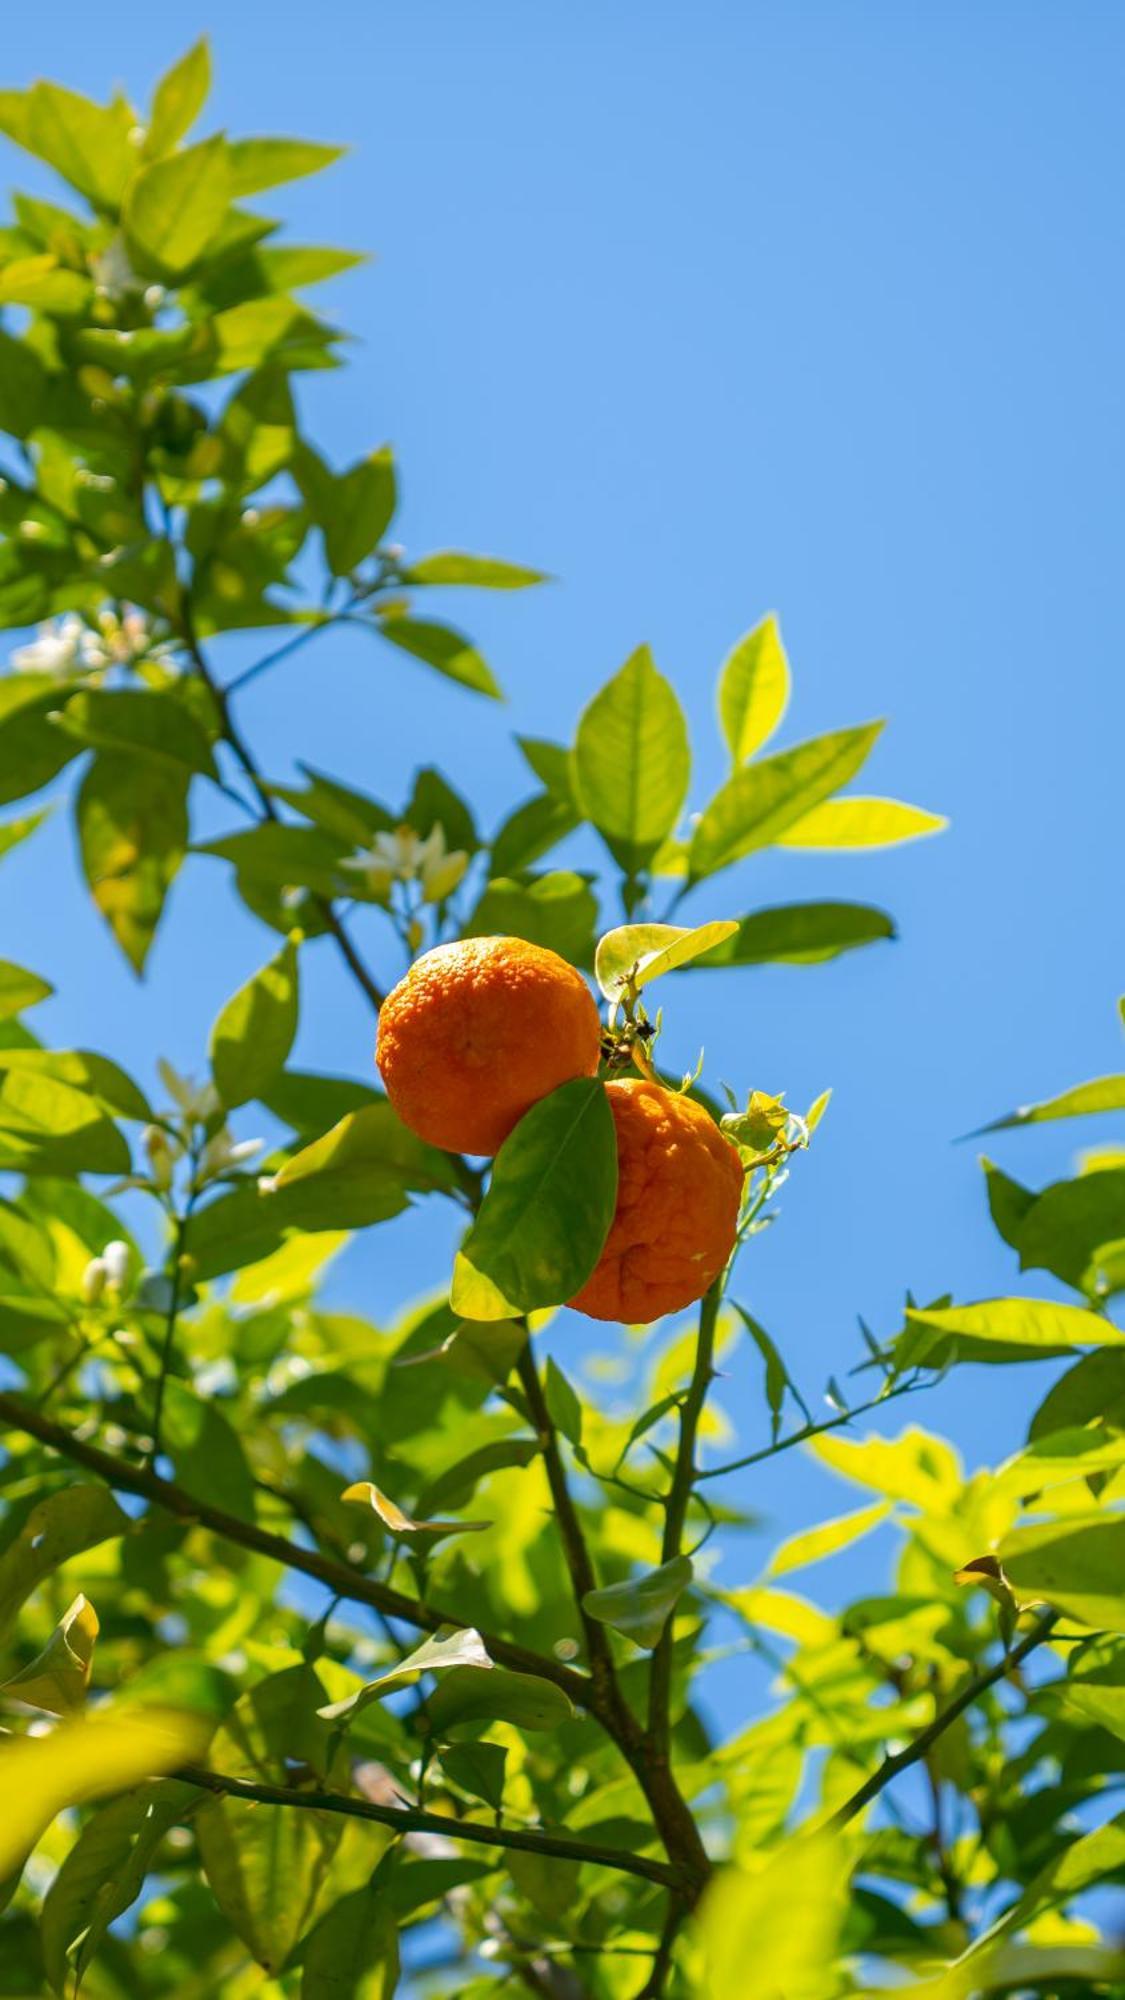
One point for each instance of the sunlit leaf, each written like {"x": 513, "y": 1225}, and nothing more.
{"x": 342, "y": 1180}
{"x": 558, "y": 911}
{"x": 784, "y": 1919}
{"x": 801, "y": 934}
{"x": 440, "y": 646}
{"x": 364, "y": 1494}
{"x": 174, "y": 207}
{"x": 447, "y": 1648}
{"x": 48, "y": 1127}
{"x": 525, "y": 1700}
{"x": 20, "y": 989}
{"x": 813, "y": 1544}
{"x": 264, "y": 163}
{"x": 855, "y": 822}
{"x": 636, "y": 954}
{"x": 762, "y": 799}
{"x": 999, "y": 1330}
{"x": 85, "y": 1760}
{"x": 486, "y": 572}
{"x": 58, "y": 1677}
{"x": 753, "y": 690}
{"x": 632, "y": 761}
{"x": 1102, "y": 1093}
{"x": 133, "y": 830}
{"x": 253, "y": 1035}
{"x": 178, "y": 99}
{"x": 1077, "y": 1564}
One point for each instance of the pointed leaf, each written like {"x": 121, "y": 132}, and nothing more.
{"x": 1102, "y": 1093}
{"x": 813, "y": 1544}
{"x": 641, "y": 1606}
{"x": 175, "y": 207}
{"x": 178, "y": 99}
{"x": 133, "y": 831}
{"x": 546, "y": 1216}
{"x": 854, "y": 822}
{"x": 364, "y": 1494}
{"x": 20, "y": 989}
{"x": 264, "y": 163}
{"x": 753, "y": 690}
{"x": 254, "y": 1033}
{"x": 762, "y": 799}
{"x": 353, "y": 1950}
{"x": 58, "y": 1677}
{"x": 447, "y": 1648}
{"x": 636, "y": 954}
{"x": 442, "y": 647}
{"x": 632, "y": 761}
{"x": 486, "y": 572}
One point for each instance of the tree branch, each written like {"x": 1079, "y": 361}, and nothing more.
{"x": 914, "y": 1752}
{"x": 338, "y": 1577}
{"x": 410, "y": 1819}
{"x": 675, "y": 1514}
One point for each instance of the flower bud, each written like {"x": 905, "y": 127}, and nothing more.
{"x": 94, "y": 1279}
{"x": 115, "y": 1257}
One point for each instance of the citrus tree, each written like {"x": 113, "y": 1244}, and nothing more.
{"x": 339, "y": 1657}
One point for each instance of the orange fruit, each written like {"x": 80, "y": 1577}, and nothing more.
{"x": 477, "y": 1033}
{"x": 679, "y": 1186}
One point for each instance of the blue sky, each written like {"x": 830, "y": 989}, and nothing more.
{"x": 710, "y": 311}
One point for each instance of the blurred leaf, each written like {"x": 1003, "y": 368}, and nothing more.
{"x": 341, "y": 1181}
{"x": 178, "y": 99}
{"x": 17, "y": 830}
{"x": 309, "y": 1104}
{"x": 174, "y": 207}
{"x": 454, "y": 1487}
{"x": 103, "y": 1874}
{"x": 813, "y": 1544}
{"x": 283, "y": 856}
{"x": 440, "y": 646}
{"x": 58, "y": 1677}
{"x": 545, "y": 1218}
{"x": 531, "y": 831}
{"x": 451, "y": 566}
{"x": 87, "y": 143}
{"x": 632, "y": 761}
{"x": 23, "y": 385}
{"x": 80, "y": 1761}
{"x": 352, "y": 1954}
{"x": 563, "y": 1405}
{"x": 133, "y": 831}
{"x": 58, "y": 1527}
{"x": 778, "y": 1378}
{"x": 753, "y": 690}
{"x": 801, "y": 934}
{"x": 33, "y": 749}
{"x": 47, "y": 1127}
{"x": 1102, "y": 1093}
{"x": 557, "y": 910}
{"x": 20, "y": 989}
{"x": 264, "y": 163}
{"x": 551, "y": 763}
{"x": 639, "y": 953}
{"x": 360, "y": 510}
{"x": 1095, "y": 1683}
{"x": 854, "y": 822}
{"x": 205, "y": 1450}
{"x": 253, "y": 1034}
{"x": 762, "y": 799}
{"x": 1077, "y": 1564}
{"x": 642, "y": 1605}
{"x": 433, "y": 802}
{"x": 153, "y": 725}
{"x": 784, "y": 1919}
{"x": 84, "y": 1070}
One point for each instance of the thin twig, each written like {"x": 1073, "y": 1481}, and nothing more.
{"x": 410, "y": 1819}
{"x": 338, "y": 1577}
{"x": 676, "y": 1510}
{"x": 914, "y": 1752}
{"x": 806, "y": 1432}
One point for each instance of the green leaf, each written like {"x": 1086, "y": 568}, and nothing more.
{"x": 440, "y": 646}
{"x": 433, "y": 802}
{"x": 548, "y": 1209}
{"x": 558, "y": 911}
{"x": 478, "y": 1768}
{"x": 362, "y": 505}
{"x": 175, "y": 207}
{"x": 57, "y": 1678}
{"x": 531, "y": 831}
{"x": 1077, "y": 1564}
{"x": 83, "y": 1070}
{"x": 33, "y": 749}
{"x": 252, "y": 1037}
{"x": 103, "y": 1874}
{"x": 17, "y": 830}
{"x": 149, "y": 724}
{"x": 353, "y": 1950}
{"x": 563, "y": 1405}
{"x": 20, "y": 989}
{"x": 761, "y": 800}
{"x": 87, "y": 143}
{"x": 778, "y": 1378}
{"x": 1070, "y": 1223}
{"x": 753, "y": 690}
{"x": 636, "y": 954}
{"x": 342, "y": 1180}
{"x": 1095, "y": 1684}
{"x": 63, "y": 1525}
{"x": 365, "y": 1494}
{"x": 642, "y": 1605}
{"x": 1093, "y": 1390}
{"x": 632, "y": 761}
{"x": 178, "y": 99}
{"x": 205, "y": 1450}
{"x": 309, "y": 1104}
{"x": 455, "y": 1486}
{"x": 264, "y": 163}
{"x": 524, "y": 1700}
{"x": 450, "y": 566}
{"x": 23, "y": 384}
{"x": 813, "y": 1544}
{"x": 284, "y": 856}
{"x": 801, "y": 934}
{"x": 1001, "y": 1330}
{"x": 1102, "y": 1093}
{"x": 447, "y": 1648}
{"x": 1008, "y": 1202}
{"x": 853, "y": 822}
{"x": 47, "y": 1127}
{"x": 133, "y": 831}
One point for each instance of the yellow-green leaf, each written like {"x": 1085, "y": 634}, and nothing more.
{"x": 637, "y": 954}
{"x": 632, "y": 761}
{"x": 20, "y": 989}
{"x": 85, "y": 1760}
{"x": 783, "y": 1920}
{"x": 254, "y": 1032}
{"x": 58, "y": 1677}
{"x": 753, "y": 690}
{"x": 178, "y": 99}
{"x": 176, "y": 206}
{"x": 813, "y": 1544}
{"x": 760, "y": 800}
{"x": 856, "y": 822}
{"x": 365, "y": 1494}
{"x": 1077, "y": 1564}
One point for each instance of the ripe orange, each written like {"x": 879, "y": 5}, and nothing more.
{"x": 477, "y": 1033}
{"x": 679, "y": 1185}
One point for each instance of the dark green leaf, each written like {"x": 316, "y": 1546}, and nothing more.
{"x": 133, "y": 831}
{"x": 467, "y": 1695}
{"x": 353, "y": 1950}
{"x": 801, "y": 934}
{"x": 360, "y": 510}
{"x": 205, "y": 1451}
{"x": 548, "y": 1209}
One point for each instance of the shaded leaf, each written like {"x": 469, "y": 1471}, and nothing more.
{"x": 353, "y": 1950}
{"x": 253, "y": 1034}
{"x": 133, "y": 831}
{"x": 641, "y": 1606}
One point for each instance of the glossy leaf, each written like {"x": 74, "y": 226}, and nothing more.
{"x": 762, "y": 799}
{"x": 753, "y": 690}
{"x": 641, "y": 1606}
{"x": 547, "y": 1212}
{"x": 251, "y": 1040}
{"x": 632, "y": 761}
{"x": 636, "y": 954}
{"x": 1102, "y": 1093}
{"x": 447, "y": 1648}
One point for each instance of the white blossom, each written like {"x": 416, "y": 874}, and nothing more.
{"x": 64, "y": 647}
{"x": 403, "y": 856}
{"x": 94, "y": 1279}
{"x": 115, "y": 1258}
{"x": 223, "y": 1152}
{"x": 197, "y": 1101}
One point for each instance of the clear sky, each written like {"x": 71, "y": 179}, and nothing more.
{"x": 710, "y": 310}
